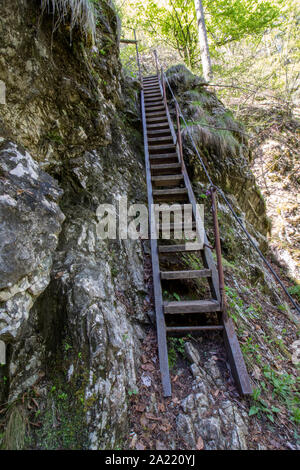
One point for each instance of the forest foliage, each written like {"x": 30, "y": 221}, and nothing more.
{"x": 252, "y": 42}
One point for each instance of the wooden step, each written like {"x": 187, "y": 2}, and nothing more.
{"x": 152, "y": 103}
{"x": 191, "y": 306}
{"x": 153, "y": 109}
{"x": 176, "y": 207}
{"x": 161, "y": 119}
{"x": 156, "y": 113}
{"x": 153, "y": 93}
{"x": 188, "y": 329}
{"x": 193, "y": 274}
{"x": 164, "y": 158}
{"x": 179, "y": 248}
{"x": 167, "y": 180}
{"x": 152, "y": 97}
{"x": 160, "y": 139}
{"x": 150, "y": 80}
{"x": 161, "y": 149}
{"x": 159, "y": 132}
{"x": 173, "y": 226}
{"x": 153, "y": 116}
{"x": 165, "y": 168}
{"x": 164, "y": 125}
{"x": 171, "y": 194}
{"x": 151, "y": 88}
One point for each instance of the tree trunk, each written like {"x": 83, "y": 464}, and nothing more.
{"x": 205, "y": 57}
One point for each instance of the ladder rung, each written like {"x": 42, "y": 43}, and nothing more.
{"x": 165, "y": 167}
{"x": 161, "y": 119}
{"x": 152, "y": 96}
{"x": 153, "y": 114}
{"x": 153, "y": 148}
{"x": 186, "y": 329}
{"x": 160, "y": 132}
{"x": 167, "y": 180}
{"x": 192, "y": 306}
{"x": 169, "y": 192}
{"x": 151, "y": 109}
{"x": 194, "y": 274}
{"x": 179, "y": 248}
{"x": 150, "y": 80}
{"x": 150, "y": 104}
{"x": 165, "y": 156}
{"x": 161, "y": 139}
{"x": 158, "y": 126}
{"x": 182, "y": 226}
{"x": 152, "y": 87}
{"x": 170, "y": 195}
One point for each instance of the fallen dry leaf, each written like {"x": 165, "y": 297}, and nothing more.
{"x": 60, "y": 274}
{"x": 140, "y": 408}
{"x": 161, "y": 407}
{"x": 200, "y": 443}
{"x": 149, "y": 367}
{"x": 151, "y": 416}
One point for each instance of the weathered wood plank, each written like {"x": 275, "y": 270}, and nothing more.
{"x": 167, "y": 180}
{"x": 159, "y": 148}
{"x": 193, "y": 274}
{"x": 164, "y": 168}
{"x": 161, "y": 119}
{"x": 191, "y": 306}
{"x": 166, "y": 139}
{"x": 187, "y": 329}
{"x": 235, "y": 356}
{"x": 170, "y": 195}
{"x": 154, "y": 109}
{"x": 179, "y": 248}
{"x": 169, "y": 192}
{"x": 163, "y": 125}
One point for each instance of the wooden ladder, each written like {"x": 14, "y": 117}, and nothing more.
{"x": 168, "y": 181}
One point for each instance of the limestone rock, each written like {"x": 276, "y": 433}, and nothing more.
{"x": 30, "y": 222}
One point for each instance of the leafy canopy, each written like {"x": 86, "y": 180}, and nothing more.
{"x": 174, "y": 22}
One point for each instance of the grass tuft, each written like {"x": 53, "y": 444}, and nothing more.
{"x": 81, "y": 13}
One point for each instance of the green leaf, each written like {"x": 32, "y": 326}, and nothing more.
{"x": 253, "y": 410}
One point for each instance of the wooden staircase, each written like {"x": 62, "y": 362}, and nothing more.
{"x": 168, "y": 182}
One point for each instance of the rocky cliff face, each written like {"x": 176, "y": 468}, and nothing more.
{"x": 73, "y": 307}
{"x": 71, "y": 304}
